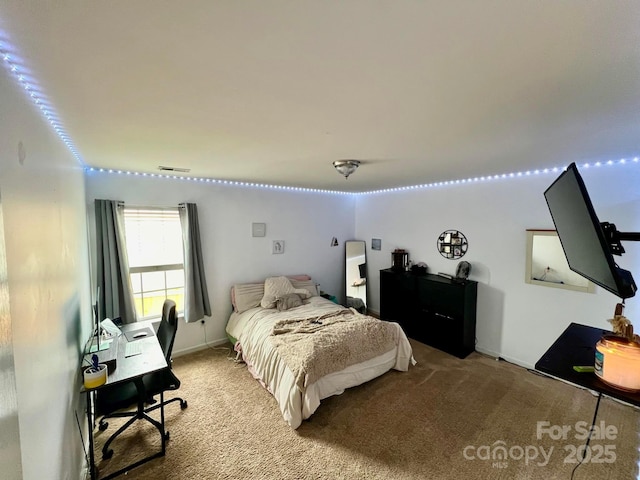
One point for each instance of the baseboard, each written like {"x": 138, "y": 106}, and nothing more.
{"x": 197, "y": 348}
{"x": 488, "y": 353}
{"x": 518, "y": 362}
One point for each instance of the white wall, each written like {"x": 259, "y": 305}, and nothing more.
{"x": 48, "y": 287}
{"x": 516, "y": 321}
{"x": 305, "y": 221}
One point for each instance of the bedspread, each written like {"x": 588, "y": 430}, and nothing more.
{"x": 253, "y": 330}
{"x": 318, "y": 345}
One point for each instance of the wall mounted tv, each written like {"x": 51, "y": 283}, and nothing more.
{"x": 588, "y": 244}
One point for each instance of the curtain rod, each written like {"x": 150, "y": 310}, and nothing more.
{"x": 152, "y": 207}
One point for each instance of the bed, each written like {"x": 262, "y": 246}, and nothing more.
{"x": 302, "y": 347}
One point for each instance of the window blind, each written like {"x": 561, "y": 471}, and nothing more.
{"x": 154, "y": 236}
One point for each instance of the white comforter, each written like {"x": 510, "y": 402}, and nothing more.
{"x": 252, "y": 329}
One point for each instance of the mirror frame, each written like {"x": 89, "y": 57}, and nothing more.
{"x": 560, "y": 262}
{"x": 349, "y": 279}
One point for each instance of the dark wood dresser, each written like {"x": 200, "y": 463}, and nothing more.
{"x": 432, "y": 309}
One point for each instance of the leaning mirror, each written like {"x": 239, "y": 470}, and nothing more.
{"x": 356, "y": 275}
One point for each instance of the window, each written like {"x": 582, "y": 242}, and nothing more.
{"x": 156, "y": 263}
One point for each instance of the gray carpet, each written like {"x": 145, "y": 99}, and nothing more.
{"x": 444, "y": 419}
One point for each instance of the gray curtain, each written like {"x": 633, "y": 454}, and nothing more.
{"x": 116, "y": 295}
{"x": 196, "y": 301}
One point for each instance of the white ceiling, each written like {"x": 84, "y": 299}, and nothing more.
{"x": 273, "y": 91}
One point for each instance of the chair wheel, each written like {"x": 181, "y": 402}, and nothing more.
{"x": 107, "y": 455}
{"x": 166, "y": 435}
{"x": 183, "y": 405}
{"x": 103, "y": 426}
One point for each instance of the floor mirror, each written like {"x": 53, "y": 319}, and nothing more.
{"x": 356, "y": 275}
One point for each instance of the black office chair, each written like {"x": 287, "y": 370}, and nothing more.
{"x": 164, "y": 380}
{"x": 111, "y": 399}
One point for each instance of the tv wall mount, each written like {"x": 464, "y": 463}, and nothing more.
{"x": 614, "y": 238}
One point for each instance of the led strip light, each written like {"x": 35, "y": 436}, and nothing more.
{"x": 527, "y": 173}
{"x": 34, "y": 93}
{"x": 446, "y": 183}
{"x": 47, "y": 111}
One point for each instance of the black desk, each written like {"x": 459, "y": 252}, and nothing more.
{"x": 129, "y": 369}
{"x": 577, "y": 346}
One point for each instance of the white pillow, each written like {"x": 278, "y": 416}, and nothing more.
{"x": 246, "y": 295}
{"x": 275, "y": 287}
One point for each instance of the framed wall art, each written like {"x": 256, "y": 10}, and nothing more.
{"x": 277, "y": 246}
{"x": 452, "y": 244}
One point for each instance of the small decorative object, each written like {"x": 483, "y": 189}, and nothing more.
{"x": 334, "y": 242}
{"x": 399, "y": 259}
{"x": 622, "y": 326}
{"x": 452, "y": 244}
{"x": 376, "y": 244}
{"x": 617, "y": 360}
{"x": 258, "y": 229}
{"x": 96, "y": 374}
{"x": 278, "y": 246}
{"x": 463, "y": 270}
{"x": 419, "y": 268}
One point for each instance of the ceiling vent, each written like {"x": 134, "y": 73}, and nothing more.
{"x": 174, "y": 169}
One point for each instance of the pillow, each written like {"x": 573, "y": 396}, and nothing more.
{"x": 246, "y": 295}
{"x": 299, "y": 277}
{"x": 290, "y": 300}
{"x": 308, "y": 285}
{"x": 275, "y": 287}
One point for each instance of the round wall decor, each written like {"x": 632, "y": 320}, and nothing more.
{"x": 452, "y": 244}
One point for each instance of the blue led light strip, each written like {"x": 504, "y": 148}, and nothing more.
{"x": 39, "y": 100}
{"x": 215, "y": 181}
{"x": 503, "y": 176}
{"x": 36, "y": 96}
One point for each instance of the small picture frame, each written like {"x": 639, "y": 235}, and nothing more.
{"x": 277, "y": 247}
{"x": 258, "y": 229}
{"x": 376, "y": 244}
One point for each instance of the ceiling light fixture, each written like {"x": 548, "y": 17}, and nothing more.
{"x": 346, "y": 167}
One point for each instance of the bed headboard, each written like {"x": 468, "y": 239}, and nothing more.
{"x": 248, "y": 295}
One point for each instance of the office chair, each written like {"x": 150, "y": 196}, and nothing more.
{"x": 117, "y": 397}
{"x": 164, "y": 380}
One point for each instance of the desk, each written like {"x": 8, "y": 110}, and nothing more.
{"x": 129, "y": 369}
{"x": 576, "y": 346}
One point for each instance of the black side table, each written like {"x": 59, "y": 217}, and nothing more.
{"x": 577, "y": 346}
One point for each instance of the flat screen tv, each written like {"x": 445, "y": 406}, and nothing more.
{"x": 588, "y": 245}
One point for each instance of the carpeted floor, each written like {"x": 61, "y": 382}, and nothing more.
{"x": 446, "y": 418}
